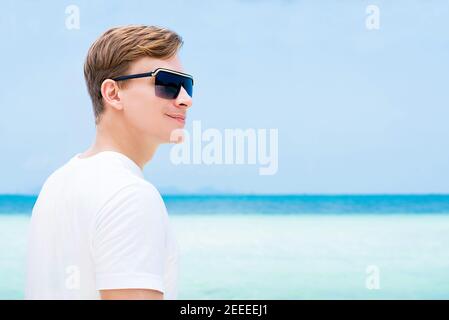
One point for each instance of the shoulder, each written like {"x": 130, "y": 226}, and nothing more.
{"x": 133, "y": 212}
{"x": 139, "y": 197}
{"x": 139, "y": 189}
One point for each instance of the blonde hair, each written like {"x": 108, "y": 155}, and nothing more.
{"x": 112, "y": 53}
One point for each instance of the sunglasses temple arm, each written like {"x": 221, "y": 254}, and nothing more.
{"x": 134, "y": 76}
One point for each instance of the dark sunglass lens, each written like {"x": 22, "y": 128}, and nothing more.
{"x": 168, "y": 85}
{"x": 188, "y": 86}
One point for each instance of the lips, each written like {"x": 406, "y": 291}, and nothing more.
{"x": 179, "y": 117}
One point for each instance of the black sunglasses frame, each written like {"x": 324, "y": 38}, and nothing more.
{"x": 153, "y": 74}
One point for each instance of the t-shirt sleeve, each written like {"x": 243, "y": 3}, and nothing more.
{"x": 128, "y": 240}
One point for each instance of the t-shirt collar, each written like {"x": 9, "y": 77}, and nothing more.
{"x": 125, "y": 160}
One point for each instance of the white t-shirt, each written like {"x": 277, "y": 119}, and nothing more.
{"x": 98, "y": 224}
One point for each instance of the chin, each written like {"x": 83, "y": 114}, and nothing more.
{"x": 176, "y": 135}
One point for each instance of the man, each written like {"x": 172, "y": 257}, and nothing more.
{"x": 98, "y": 228}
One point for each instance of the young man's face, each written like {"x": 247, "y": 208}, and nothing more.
{"x": 147, "y": 113}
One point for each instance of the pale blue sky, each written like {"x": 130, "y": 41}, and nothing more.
{"x": 357, "y": 111}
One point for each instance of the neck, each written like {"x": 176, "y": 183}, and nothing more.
{"x": 121, "y": 139}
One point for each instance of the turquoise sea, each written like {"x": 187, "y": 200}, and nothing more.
{"x": 285, "y": 247}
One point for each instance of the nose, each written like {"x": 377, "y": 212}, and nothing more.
{"x": 183, "y": 100}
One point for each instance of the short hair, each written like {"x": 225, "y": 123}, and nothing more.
{"x": 113, "y": 52}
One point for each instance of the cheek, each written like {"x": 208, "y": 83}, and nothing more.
{"x": 146, "y": 114}
{"x": 142, "y": 107}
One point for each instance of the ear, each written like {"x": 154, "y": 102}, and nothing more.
{"x": 111, "y": 94}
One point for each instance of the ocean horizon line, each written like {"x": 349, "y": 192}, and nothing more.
{"x": 277, "y": 203}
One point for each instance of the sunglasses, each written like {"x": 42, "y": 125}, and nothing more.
{"x": 168, "y": 82}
